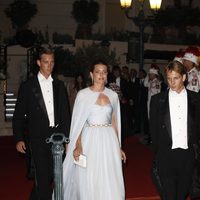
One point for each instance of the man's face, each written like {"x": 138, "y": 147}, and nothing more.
{"x": 152, "y": 76}
{"x": 188, "y": 65}
{"x": 46, "y": 64}
{"x": 175, "y": 81}
{"x": 116, "y": 73}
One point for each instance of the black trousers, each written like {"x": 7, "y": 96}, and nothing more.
{"x": 175, "y": 169}
{"x": 43, "y": 163}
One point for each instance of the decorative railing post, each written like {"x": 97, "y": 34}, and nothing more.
{"x": 57, "y": 150}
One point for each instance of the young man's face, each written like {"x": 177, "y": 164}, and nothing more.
{"x": 175, "y": 81}
{"x": 46, "y": 64}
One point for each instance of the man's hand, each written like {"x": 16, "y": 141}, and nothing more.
{"x": 123, "y": 156}
{"x": 20, "y": 146}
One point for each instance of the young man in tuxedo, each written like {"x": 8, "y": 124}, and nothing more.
{"x": 175, "y": 130}
{"x": 42, "y": 107}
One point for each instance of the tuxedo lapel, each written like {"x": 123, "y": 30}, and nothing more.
{"x": 55, "y": 100}
{"x": 166, "y": 113}
{"x": 37, "y": 92}
{"x": 190, "y": 114}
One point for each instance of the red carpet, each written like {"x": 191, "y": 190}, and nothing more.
{"x": 13, "y": 182}
{"x": 15, "y": 186}
{"x": 137, "y": 171}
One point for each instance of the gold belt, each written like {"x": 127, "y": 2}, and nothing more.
{"x": 99, "y": 125}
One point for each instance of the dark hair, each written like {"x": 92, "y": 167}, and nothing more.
{"x": 116, "y": 68}
{"x": 96, "y": 62}
{"x": 175, "y": 66}
{"x": 44, "y": 50}
{"x": 143, "y": 71}
{"x": 125, "y": 67}
{"x": 111, "y": 78}
{"x": 76, "y": 84}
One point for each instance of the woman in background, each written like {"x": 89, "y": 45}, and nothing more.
{"x": 78, "y": 84}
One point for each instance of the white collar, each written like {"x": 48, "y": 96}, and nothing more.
{"x": 194, "y": 69}
{"x": 175, "y": 94}
{"x": 41, "y": 78}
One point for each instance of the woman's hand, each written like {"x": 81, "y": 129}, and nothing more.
{"x": 76, "y": 153}
{"x": 123, "y": 156}
{"x": 78, "y": 150}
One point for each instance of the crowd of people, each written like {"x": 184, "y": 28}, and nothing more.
{"x": 97, "y": 117}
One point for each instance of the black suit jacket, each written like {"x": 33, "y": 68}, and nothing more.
{"x": 31, "y": 114}
{"x": 160, "y": 122}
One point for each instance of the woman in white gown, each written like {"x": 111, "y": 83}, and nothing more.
{"x": 95, "y": 132}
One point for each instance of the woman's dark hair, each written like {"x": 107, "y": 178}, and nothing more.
{"x": 78, "y": 86}
{"x": 96, "y": 62}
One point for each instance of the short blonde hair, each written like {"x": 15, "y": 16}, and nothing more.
{"x": 175, "y": 66}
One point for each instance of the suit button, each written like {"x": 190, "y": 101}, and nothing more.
{"x": 163, "y": 126}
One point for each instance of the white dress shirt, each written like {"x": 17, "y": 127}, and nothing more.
{"x": 118, "y": 81}
{"x": 47, "y": 92}
{"x": 178, "y": 113}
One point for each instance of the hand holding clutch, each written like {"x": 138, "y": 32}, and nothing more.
{"x": 82, "y": 161}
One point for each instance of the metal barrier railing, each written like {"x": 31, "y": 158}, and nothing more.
{"x": 57, "y": 150}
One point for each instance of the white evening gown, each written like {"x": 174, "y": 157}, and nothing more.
{"x": 102, "y": 179}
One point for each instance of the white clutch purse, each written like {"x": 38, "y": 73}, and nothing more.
{"x": 82, "y": 162}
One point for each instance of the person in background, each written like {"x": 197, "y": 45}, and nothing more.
{"x": 113, "y": 86}
{"x": 133, "y": 75}
{"x": 122, "y": 82}
{"x": 191, "y": 63}
{"x": 141, "y": 120}
{"x": 78, "y": 84}
{"x": 42, "y": 108}
{"x": 179, "y": 56}
{"x": 95, "y": 134}
{"x": 175, "y": 129}
{"x": 153, "y": 84}
{"x": 134, "y": 86}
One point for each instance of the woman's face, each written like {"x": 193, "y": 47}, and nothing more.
{"x": 99, "y": 74}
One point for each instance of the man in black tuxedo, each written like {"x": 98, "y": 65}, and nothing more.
{"x": 42, "y": 108}
{"x": 121, "y": 80}
{"x": 142, "y": 122}
{"x": 175, "y": 130}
